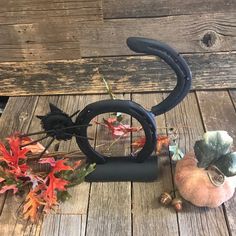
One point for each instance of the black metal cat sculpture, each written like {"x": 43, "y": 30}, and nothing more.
{"x": 142, "y": 167}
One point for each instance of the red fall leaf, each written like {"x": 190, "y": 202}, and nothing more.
{"x": 13, "y": 156}
{"x": 119, "y": 129}
{"x": 162, "y": 141}
{"x": 48, "y": 160}
{"x": 140, "y": 142}
{"x": 60, "y": 165}
{"x": 54, "y": 184}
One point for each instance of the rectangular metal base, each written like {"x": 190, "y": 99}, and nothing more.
{"x": 125, "y": 169}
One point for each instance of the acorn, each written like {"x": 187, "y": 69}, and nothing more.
{"x": 177, "y": 203}
{"x": 165, "y": 198}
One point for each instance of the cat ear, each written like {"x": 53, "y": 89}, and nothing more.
{"x": 53, "y": 108}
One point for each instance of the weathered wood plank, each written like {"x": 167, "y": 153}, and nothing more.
{"x": 27, "y": 11}
{"x": 218, "y": 113}
{"x": 109, "y": 211}
{"x": 149, "y": 217}
{"x": 40, "y": 41}
{"x": 233, "y": 96}
{"x": 194, "y": 220}
{"x": 73, "y": 225}
{"x": 16, "y": 116}
{"x": 187, "y": 33}
{"x": 51, "y": 227}
{"x": 153, "y": 8}
{"x": 125, "y": 74}
{"x": 61, "y": 225}
{"x": 44, "y": 30}
{"x": 78, "y": 203}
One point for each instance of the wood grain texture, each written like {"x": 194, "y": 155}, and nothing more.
{"x": 153, "y": 8}
{"x": 72, "y": 225}
{"x": 51, "y": 225}
{"x": 218, "y": 113}
{"x": 149, "y": 217}
{"x": 27, "y": 11}
{"x": 194, "y": 220}
{"x": 124, "y": 74}
{"x": 187, "y": 33}
{"x": 61, "y": 225}
{"x": 40, "y": 41}
{"x": 44, "y": 30}
{"x": 109, "y": 211}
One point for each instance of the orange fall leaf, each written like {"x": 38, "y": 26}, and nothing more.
{"x": 31, "y": 207}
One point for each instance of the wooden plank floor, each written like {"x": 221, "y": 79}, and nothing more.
{"x": 125, "y": 208}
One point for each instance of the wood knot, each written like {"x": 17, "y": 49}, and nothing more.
{"x": 209, "y": 39}
{"x": 23, "y": 116}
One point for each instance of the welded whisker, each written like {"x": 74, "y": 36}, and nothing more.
{"x": 53, "y": 130}
{"x": 31, "y": 134}
{"x": 46, "y": 148}
{"x": 35, "y": 141}
{"x": 79, "y": 136}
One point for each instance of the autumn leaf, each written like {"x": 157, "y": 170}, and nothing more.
{"x": 34, "y": 148}
{"x": 140, "y": 142}
{"x": 13, "y": 156}
{"x": 48, "y": 160}
{"x": 9, "y": 187}
{"x": 54, "y": 184}
{"x": 162, "y": 141}
{"x": 16, "y": 150}
{"x": 60, "y": 165}
{"x": 111, "y": 120}
{"x": 119, "y": 129}
{"x": 77, "y": 164}
{"x": 31, "y": 207}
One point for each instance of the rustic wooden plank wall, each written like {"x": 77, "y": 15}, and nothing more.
{"x": 124, "y": 74}
{"x": 44, "y": 30}
{"x": 42, "y": 42}
{"x": 152, "y": 8}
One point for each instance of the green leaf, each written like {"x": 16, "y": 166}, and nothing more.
{"x": 80, "y": 174}
{"x": 177, "y": 154}
{"x": 119, "y": 116}
{"x": 62, "y": 196}
{"x": 227, "y": 164}
{"x": 213, "y": 145}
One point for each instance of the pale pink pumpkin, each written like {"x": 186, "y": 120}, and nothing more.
{"x": 195, "y": 186}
